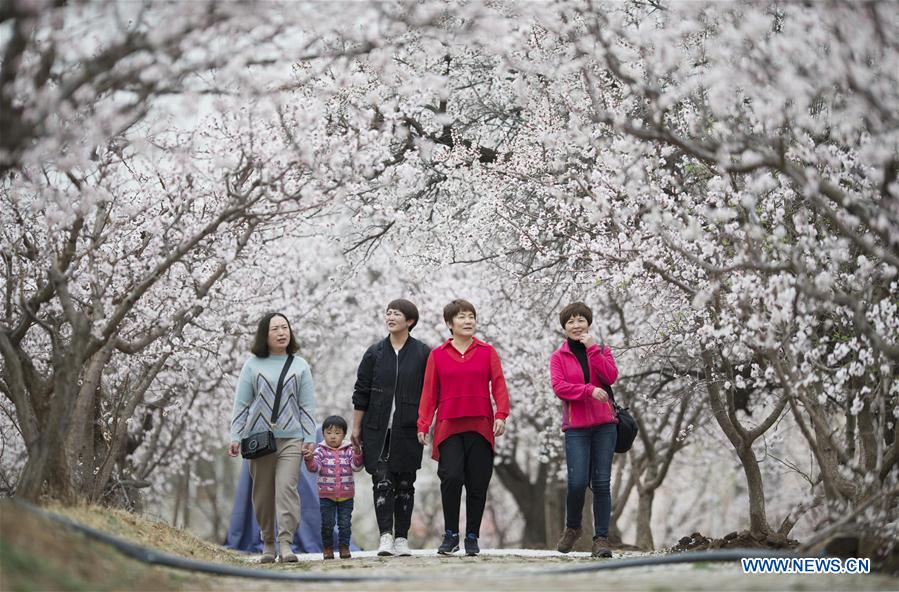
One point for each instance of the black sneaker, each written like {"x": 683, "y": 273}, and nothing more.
{"x": 471, "y": 545}
{"x": 450, "y": 543}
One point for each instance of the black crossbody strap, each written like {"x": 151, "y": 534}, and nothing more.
{"x": 608, "y": 389}
{"x": 277, "y": 405}
{"x": 615, "y": 407}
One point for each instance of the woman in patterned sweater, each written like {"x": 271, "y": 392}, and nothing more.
{"x": 275, "y": 476}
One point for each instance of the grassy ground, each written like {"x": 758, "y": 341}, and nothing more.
{"x": 36, "y": 554}
{"x": 150, "y": 533}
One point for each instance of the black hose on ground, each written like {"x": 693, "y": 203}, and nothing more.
{"x": 153, "y": 557}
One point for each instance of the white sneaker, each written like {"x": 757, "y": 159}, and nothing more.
{"x": 385, "y": 547}
{"x": 401, "y": 546}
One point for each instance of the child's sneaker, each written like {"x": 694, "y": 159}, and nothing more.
{"x": 401, "y": 545}
{"x": 385, "y": 546}
{"x": 344, "y": 551}
{"x": 471, "y": 544}
{"x": 328, "y": 553}
{"x": 450, "y": 543}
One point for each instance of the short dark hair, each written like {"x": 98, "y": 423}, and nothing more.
{"x": 455, "y": 307}
{"x": 576, "y": 309}
{"x": 334, "y": 421}
{"x": 409, "y": 310}
{"x": 260, "y": 341}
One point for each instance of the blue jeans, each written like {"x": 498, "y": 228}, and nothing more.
{"x": 588, "y": 453}
{"x": 344, "y": 514}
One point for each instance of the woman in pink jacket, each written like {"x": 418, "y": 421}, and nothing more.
{"x": 579, "y": 370}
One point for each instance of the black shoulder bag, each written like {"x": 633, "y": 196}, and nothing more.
{"x": 627, "y": 426}
{"x": 263, "y": 443}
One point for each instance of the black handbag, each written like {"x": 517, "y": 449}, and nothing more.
{"x": 263, "y": 443}
{"x": 627, "y": 425}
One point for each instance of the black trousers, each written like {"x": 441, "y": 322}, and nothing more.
{"x": 394, "y": 496}
{"x": 465, "y": 459}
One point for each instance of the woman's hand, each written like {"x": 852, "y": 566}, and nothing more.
{"x": 423, "y": 438}
{"x": 356, "y": 437}
{"x": 600, "y": 395}
{"x": 499, "y": 427}
{"x": 307, "y": 453}
{"x": 233, "y": 448}
{"x": 586, "y": 339}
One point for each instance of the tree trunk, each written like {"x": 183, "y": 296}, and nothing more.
{"x": 83, "y": 411}
{"x": 554, "y": 513}
{"x": 47, "y": 471}
{"x": 644, "y": 519}
{"x": 34, "y": 474}
{"x": 758, "y": 520}
{"x": 176, "y": 508}
{"x": 726, "y": 419}
{"x": 530, "y": 500}
{"x": 621, "y": 492}
{"x": 187, "y": 501}
{"x": 85, "y": 473}
{"x": 587, "y": 522}
{"x": 534, "y": 534}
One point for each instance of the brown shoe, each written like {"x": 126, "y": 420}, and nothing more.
{"x": 569, "y": 538}
{"x": 601, "y": 547}
{"x": 287, "y": 555}
{"x": 268, "y": 553}
{"x": 328, "y": 553}
{"x": 344, "y": 551}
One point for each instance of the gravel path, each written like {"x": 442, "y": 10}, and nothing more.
{"x": 514, "y": 570}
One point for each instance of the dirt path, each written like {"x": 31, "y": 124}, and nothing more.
{"x": 38, "y": 555}
{"x": 509, "y": 570}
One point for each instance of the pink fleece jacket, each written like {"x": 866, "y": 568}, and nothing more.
{"x": 579, "y": 408}
{"x": 335, "y": 467}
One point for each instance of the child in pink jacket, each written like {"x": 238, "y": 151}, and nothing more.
{"x": 335, "y": 461}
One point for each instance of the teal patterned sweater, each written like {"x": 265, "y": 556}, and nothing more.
{"x": 255, "y": 396}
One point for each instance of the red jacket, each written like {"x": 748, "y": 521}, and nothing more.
{"x": 579, "y": 408}
{"x": 458, "y": 387}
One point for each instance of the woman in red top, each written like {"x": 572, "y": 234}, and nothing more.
{"x": 460, "y": 377}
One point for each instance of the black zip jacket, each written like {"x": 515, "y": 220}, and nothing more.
{"x": 383, "y": 376}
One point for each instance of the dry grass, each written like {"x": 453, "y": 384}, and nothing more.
{"x": 149, "y": 533}
{"x": 36, "y": 554}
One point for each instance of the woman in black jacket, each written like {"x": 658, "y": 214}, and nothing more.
{"x": 385, "y": 403}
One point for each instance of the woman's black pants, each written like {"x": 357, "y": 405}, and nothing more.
{"x": 394, "y": 495}
{"x": 465, "y": 459}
